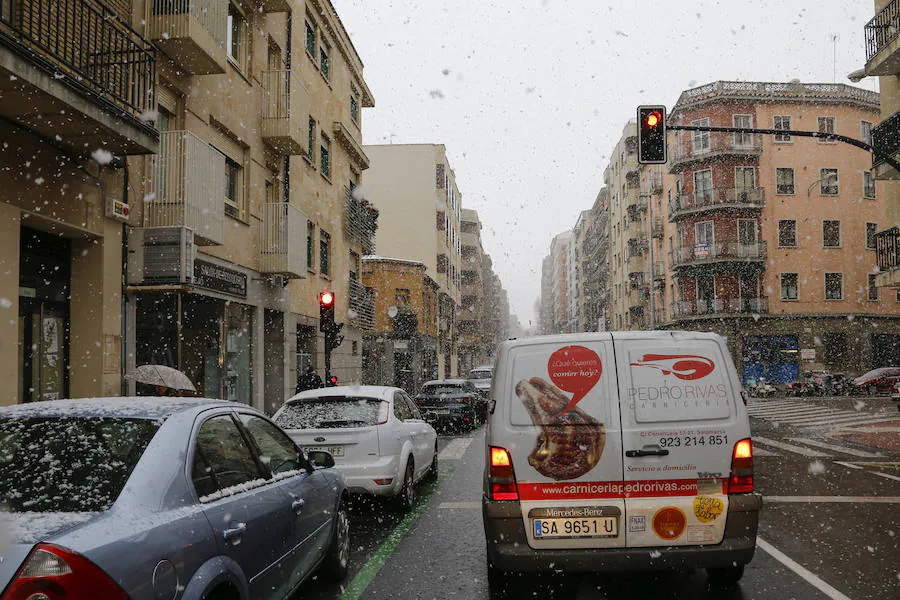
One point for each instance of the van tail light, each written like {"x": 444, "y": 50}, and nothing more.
{"x": 741, "y": 481}
{"x": 502, "y": 478}
{"x": 383, "y": 413}
{"x": 54, "y": 573}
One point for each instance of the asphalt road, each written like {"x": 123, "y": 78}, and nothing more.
{"x": 830, "y": 526}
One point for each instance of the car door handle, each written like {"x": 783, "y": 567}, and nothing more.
{"x": 297, "y": 506}
{"x": 234, "y": 534}
{"x": 639, "y": 453}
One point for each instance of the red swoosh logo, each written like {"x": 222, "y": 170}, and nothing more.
{"x": 683, "y": 366}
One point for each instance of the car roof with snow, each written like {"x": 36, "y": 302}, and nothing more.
{"x": 447, "y": 382}
{"x": 135, "y": 407}
{"x": 379, "y": 392}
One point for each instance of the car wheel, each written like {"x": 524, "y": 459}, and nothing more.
{"x": 725, "y": 576}
{"x": 406, "y": 499}
{"x": 337, "y": 560}
{"x": 432, "y": 473}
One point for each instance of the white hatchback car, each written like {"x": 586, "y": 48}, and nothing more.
{"x": 376, "y": 435}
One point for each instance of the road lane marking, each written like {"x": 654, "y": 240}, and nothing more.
{"x": 800, "y": 570}
{"x": 455, "y": 449}
{"x": 886, "y": 475}
{"x": 851, "y": 451}
{"x": 789, "y": 447}
{"x": 459, "y": 505}
{"x": 832, "y": 499}
{"x": 848, "y": 465}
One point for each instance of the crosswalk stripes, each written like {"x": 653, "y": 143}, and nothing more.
{"x": 798, "y": 414}
{"x": 790, "y": 447}
{"x": 455, "y": 449}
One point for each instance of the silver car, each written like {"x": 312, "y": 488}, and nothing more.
{"x": 148, "y": 498}
{"x": 482, "y": 377}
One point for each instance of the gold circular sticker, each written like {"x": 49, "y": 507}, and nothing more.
{"x": 707, "y": 509}
{"x": 669, "y": 523}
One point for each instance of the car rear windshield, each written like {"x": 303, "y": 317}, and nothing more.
{"x": 873, "y": 374}
{"x": 480, "y": 375}
{"x": 443, "y": 389}
{"x": 68, "y": 464}
{"x": 330, "y": 413}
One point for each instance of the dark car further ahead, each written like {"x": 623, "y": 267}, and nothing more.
{"x": 877, "y": 381}
{"x": 452, "y": 403}
{"x": 147, "y": 498}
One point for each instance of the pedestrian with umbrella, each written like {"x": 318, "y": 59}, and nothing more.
{"x": 166, "y": 381}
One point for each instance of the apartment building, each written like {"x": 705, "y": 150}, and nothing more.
{"x": 561, "y": 274}
{"x": 594, "y": 313}
{"x": 580, "y": 299}
{"x": 628, "y": 241}
{"x": 496, "y": 313}
{"x": 402, "y": 348}
{"x": 771, "y": 240}
{"x": 653, "y": 179}
{"x": 248, "y": 212}
{"x": 883, "y": 61}
{"x": 419, "y": 206}
{"x": 545, "y": 303}
{"x": 475, "y": 297}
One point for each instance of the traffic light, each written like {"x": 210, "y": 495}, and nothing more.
{"x": 651, "y": 121}
{"x": 326, "y": 311}
{"x": 332, "y": 381}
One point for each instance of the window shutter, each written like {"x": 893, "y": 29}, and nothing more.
{"x": 227, "y": 145}
{"x": 167, "y": 98}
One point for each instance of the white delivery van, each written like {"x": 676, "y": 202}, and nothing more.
{"x": 618, "y": 451}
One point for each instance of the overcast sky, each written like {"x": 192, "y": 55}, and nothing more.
{"x": 530, "y": 96}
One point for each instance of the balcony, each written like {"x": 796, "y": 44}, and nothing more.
{"x": 637, "y": 243}
{"x": 716, "y": 199}
{"x": 657, "y": 228}
{"x": 719, "y": 252}
{"x": 360, "y": 221}
{"x": 73, "y": 72}
{"x": 719, "y": 307}
{"x": 282, "y": 240}
{"x": 187, "y": 188}
{"x": 659, "y": 271}
{"x": 362, "y": 306}
{"x": 285, "y": 112}
{"x": 886, "y": 142}
{"x": 191, "y": 33}
{"x": 274, "y": 6}
{"x": 633, "y": 177}
{"x": 689, "y": 149}
{"x": 350, "y": 144}
{"x": 887, "y": 251}
{"x": 882, "y": 45}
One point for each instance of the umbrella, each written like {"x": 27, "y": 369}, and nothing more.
{"x": 162, "y": 375}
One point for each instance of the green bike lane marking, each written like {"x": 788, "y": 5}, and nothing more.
{"x": 364, "y": 577}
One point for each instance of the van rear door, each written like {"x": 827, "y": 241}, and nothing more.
{"x": 559, "y": 420}
{"x": 680, "y": 422}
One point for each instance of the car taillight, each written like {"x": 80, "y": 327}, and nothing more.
{"x": 741, "y": 481}
{"x": 383, "y": 413}
{"x": 52, "y": 572}
{"x": 466, "y": 399}
{"x": 502, "y": 478}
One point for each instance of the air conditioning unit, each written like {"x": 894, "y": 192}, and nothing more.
{"x": 161, "y": 255}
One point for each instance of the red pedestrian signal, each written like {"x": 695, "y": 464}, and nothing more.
{"x": 326, "y": 312}
{"x": 651, "y": 122}
{"x": 332, "y": 380}
{"x": 326, "y": 299}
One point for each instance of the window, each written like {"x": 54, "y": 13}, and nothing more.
{"x": 787, "y": 233}
{"x": 325, "y": 155}
{"x": 325, "y": 59}
{"x": 310, "y": 244}
{"x": 789, "y": 286}
{"x": 826, "y": 125}
{"x": 743, "y": 140}
{"x": 744, "y": 181}
{"x": 237, "y": 37}
{"x": 868, "y": 185}
{"x": 705, "y": 234}
{"x": 276, "y": 451}
{"x": 703, "y": 186}
{"x": 828, "y": 180}
{"x": 442, "y": 263}
{"x": 324, "y": 253}
{"x": 782, "y": 122}
{"x": 834, "y": 286}
{"x": 784, "y": 181}
{"x": 831, "y": 234}
{"x": 222, "y": 458}
{"x": 897, "y": 299}
{"x": 865, "y": 132}
{"x": 700, "y": 138}
{"x": 873, "y": 288}
{"x": 354, "y": 106}
{"x": 401, "y": 297}
{"x": 233, "y": 186}
{"x": 871, "y": 230}
{"x": 311, "y": 142}
{"x": 311, "y": 40}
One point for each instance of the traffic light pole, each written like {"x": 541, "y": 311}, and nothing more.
{"x": 814, "y": 134}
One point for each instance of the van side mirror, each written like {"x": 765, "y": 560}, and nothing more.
{"x": 492, "y": 404}
{"x": 320, "y": 459}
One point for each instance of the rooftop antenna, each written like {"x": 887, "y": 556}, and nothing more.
{"x": 834, "y": 39}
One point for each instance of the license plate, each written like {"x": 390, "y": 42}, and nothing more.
{"x": 334, "y": 451}
{"x": 590, "y": 527}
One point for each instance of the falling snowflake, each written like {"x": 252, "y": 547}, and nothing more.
{"x": 5, "y": 303}
{"x": 816, "y": 467}
{"x": 103, "y": 157}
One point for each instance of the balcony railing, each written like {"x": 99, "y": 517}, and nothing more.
{"x": 886, "y": 139}
{"x": 659, "y": 271}
{"x": 716, "y": 199}
{"x": 285, "y": 106}
{"x": 689, "y": 148}
{"x": 360, "y": 221}
{"x": 362, "y": 306}
{"x": 188, "y": 187}
{"x": 887, "y": 249}
{"x": 718, "y": 252}
{"x": 86, "y": 44}
{"x": 282, "y": 240}
{"x": 192, "y": 33}
{"x": 720, "y": 306}
{"x": 657, "y": 228}
{"x": 882, "y": 29}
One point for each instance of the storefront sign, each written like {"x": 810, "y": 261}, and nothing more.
{"x": 808, "y": 354}
{"x": 220, "y": 279}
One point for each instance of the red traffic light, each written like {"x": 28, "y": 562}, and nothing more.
{"x": 653, "y": 119}
{"x": 326, "y": 298}
{"x": 333, "y": 380}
